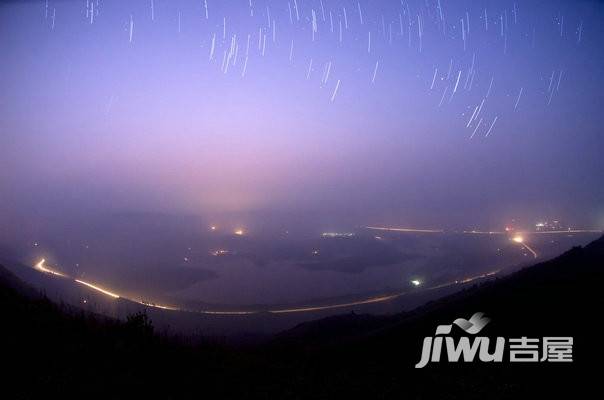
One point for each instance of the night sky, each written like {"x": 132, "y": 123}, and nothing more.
{"x": 431, "y": 113}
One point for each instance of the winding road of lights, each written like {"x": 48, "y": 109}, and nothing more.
{"x": 370, "y": 300}
{"x": 41, "y": 267}
{"x": 90, "y": 285}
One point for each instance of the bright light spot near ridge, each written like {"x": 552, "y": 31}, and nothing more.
{"x": 416, "y": 282}
{"x": 213, "y": 227}
{"x": 239, "y": 232}
{"x": 518, "y": 239}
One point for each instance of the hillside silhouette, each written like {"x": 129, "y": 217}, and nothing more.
{"x": 52, "y": 350}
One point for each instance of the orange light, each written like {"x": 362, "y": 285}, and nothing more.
{"x": 98, "y": 289}
{"x": 41, "y": 267}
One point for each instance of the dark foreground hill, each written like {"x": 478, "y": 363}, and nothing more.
{"x": 50, "y": 350}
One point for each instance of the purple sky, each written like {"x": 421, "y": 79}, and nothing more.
{"x": 98, "y": 114}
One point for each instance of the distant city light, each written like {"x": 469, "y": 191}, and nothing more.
{"x": 416, "y": 282}
{"x": 549, "y": 226}
{"x": 518, "y": 239}
{"x": 337, "y": 234}
{"x": 408, "y": 230}
{"x": 213, "y": 227}
{"x": 219, "y": 252}
{"x": 239, "y": 232}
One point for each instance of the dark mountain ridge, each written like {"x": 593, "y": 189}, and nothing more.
{"x": 58, "y": 350}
